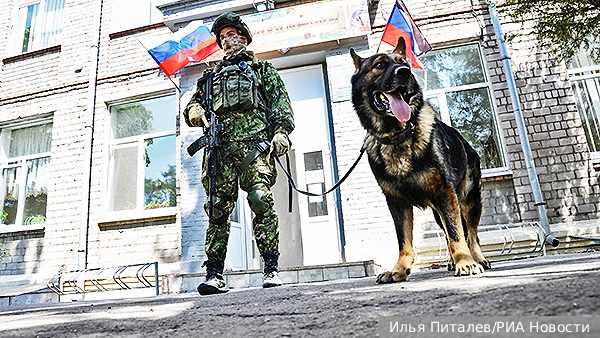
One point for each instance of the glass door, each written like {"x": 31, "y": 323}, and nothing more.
{"x": 241, "y": 254}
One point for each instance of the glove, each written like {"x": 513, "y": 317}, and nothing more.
{"x": 195, "y": 116}
{"x": 281, "y": 143}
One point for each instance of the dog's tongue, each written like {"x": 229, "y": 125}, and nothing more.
{"x": 400, "y": 108}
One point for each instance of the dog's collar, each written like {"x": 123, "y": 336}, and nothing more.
{"x": 398, "y": 137}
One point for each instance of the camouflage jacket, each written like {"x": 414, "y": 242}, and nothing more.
{"x": 255, "y": 124}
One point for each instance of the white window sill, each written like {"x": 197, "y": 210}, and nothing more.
{"x": 136, "y": 217}
{"x": 27, "y": 55}
{"x": 595, "y": 158}
{"x": 498, "y": 174}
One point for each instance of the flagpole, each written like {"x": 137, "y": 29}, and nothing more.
{"x": 379, "y": 45}
{"x": 401, "y": 24}
{"x": 174, "y": 84}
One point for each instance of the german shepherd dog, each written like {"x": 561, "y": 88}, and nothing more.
{"x": 417, "y": 161}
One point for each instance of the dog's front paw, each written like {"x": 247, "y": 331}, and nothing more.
{"x": 467, "y": 267}
{"x": 393, "y": 276}
{"x": 486, "y": 264}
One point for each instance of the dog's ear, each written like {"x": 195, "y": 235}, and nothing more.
{"x": 401, "y": 47}
{"x": 357, "y": 59}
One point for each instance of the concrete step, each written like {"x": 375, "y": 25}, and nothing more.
{"x": 177, "y": 283}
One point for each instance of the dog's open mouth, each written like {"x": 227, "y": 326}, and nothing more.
{"x": 394, "y": 101}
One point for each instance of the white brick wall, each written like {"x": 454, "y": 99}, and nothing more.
{"x": 48, "y": 83}
{"x": 130, "y": 244}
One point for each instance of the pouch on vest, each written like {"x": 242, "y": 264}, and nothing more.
{"x": 234, "y": 88}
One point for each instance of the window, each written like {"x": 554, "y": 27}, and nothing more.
{"x": 137, "y": 13}
{"x": 584, "y": 74}
{"x": 24, "y": 160}
{"x": 315, "y": 183}
{"x": 142, "y": 155}
{"x": 38, "y": 24}
{"x": 456, "y": 84}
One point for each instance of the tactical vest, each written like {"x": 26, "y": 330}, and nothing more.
{"x": 235, "y": 88}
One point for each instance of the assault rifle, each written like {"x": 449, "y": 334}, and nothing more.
{"x": 211, "y": 140}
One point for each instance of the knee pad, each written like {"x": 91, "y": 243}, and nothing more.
{"x": 222, "y": 208}
{"x": 260, "y": 199}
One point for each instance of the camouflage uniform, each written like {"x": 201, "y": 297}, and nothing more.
{"x": 242, "y": 131}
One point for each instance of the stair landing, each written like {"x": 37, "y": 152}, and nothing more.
{"x": 290, "y": 275}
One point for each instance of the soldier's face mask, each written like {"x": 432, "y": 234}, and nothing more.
{"x": 233, "y": 45}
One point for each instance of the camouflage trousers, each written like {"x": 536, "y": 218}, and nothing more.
{"x": 257, "y": 180}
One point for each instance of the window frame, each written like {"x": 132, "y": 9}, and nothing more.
{"x": 21, "y": 162}
{"x": 40, "y": 21}
{"x": 112, "y": 143}
{"x": 582, "y": 74}
{"x": 153, "y": 13}
{"x": 441, "y": 95}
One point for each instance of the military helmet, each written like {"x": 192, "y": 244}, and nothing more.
{"x": 230, "y": 19}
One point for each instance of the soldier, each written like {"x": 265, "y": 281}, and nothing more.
{"x": 250, "y": 100}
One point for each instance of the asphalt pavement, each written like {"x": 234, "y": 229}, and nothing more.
{"x": 512, "y": 293}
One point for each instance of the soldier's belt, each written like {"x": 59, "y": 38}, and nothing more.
{"x": 254, "y": 153}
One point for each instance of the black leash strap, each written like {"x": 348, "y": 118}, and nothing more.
{"x": 290, "y": 193}
{"x": 307, "y": 193}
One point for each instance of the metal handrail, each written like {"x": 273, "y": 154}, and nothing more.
{"x": 506, "y": 230}
{"x": 143, "y": 279}
{"x": 440, "y": 244}
{"x": 117, "y": 277}
{"x": 95, "y": 281}
{"x": 54, "y": 283}
{"x": 73, "y": 282}
{"x": 71, "y": 279}
{"x": 539, "y": 240}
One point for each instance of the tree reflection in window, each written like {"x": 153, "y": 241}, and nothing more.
{"x": 159, "y": 180}
{"x": 36, "y": 190}
{"x": 587, "y": 98}
{"x": 471, "y": 114}
{"x": 456, "y": 85}
{"x": 142, "y": 174}
{"x": 453, "y": 67}
{"x": 584, "y": 74}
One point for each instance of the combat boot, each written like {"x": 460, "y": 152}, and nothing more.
{"x": 271, "y": 273}
{"x": 215, "y": 283}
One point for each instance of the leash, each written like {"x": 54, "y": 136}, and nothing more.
{"x": 265, "y": 146}
{"x": 308, "y": 193}
{"x": 395, "y": 139}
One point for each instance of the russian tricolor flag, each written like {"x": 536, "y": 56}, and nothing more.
{"x": 402, "y": 24}
{"x": 194, "y": 43}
